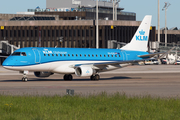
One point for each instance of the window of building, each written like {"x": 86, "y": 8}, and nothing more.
{"x": 74, "y": 33}
{"x": 53, "y": 33}
{"x": 70, "y": 33}
{"x": 14, "y": 33}
{"x": 87, "y": 33}
{"x": 57, "y": 33}
{"x": 10, "y": 33}
{"x": 83, "y": 34}
{"x": 23, "y": 33}
{"x": 36, "y": 33}
{"x": 32, "y": 34}
{"x": 44, "y": 31}
{"x": 78, "y": 33}
{"x": 91, "y": 33}
{"x": 49, "y": 34}
{"x": 19, "y": 33}
{"x": 61, "y": 32}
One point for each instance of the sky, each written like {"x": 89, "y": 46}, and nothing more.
{"x": 140, "y": 7}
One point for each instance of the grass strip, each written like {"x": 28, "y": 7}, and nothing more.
{"x": 93, "y": 107}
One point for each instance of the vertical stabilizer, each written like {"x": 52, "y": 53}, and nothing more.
{"x": 139, "y": 41}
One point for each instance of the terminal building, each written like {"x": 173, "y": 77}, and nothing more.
{"x": 72, "y": 24}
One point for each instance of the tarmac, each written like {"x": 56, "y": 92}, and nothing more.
{"x": 154, "y": 80}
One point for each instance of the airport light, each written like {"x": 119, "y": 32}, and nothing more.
{"x": 167, "y": 4}
{"x": 158, "y": 22}
{"x": 97, "y": 29}
{"x": 116, "y": 3}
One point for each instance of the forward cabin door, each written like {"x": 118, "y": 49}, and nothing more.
{"x": 37, "y": 55}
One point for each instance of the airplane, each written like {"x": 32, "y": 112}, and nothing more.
{"x": 45, "y": 61}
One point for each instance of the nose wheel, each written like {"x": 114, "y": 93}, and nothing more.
{"x": 24, "y": 79}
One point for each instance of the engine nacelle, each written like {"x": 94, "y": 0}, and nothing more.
{"x": 84, "y": 71}
{"x": 43, "y": 74}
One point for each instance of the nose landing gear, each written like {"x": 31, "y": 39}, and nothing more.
{"x": 25, "y": 78}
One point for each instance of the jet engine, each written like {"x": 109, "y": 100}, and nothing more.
{"x": 43, "y": 74}
{"x": 84, "y": 71}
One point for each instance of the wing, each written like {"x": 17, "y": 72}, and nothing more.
{"x": 105, "y": 64}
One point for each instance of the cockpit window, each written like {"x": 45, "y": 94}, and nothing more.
{"x": 23, "y": 54}
{"x": 16, "y": 54}
{"x": 19, "y": 54}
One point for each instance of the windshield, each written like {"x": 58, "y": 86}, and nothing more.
{"x": 19, "y": 54}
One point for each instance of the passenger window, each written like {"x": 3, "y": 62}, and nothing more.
{"x": 89, "y": 55}
{"x": 69, "y": 55}
{"x": 96, "y": 55}
{"x": 92, "y": 55}
{"x": 44, "y": 54}
{"x": 52, "y": 54}
{"x": 85, "y": 55}
{"x": 100, "y": 55}
{"x": 65, "y": 55}
{"x": 56, "y": 54}
{"x": 80, "y": 55}
{"x": 108, "y": 55}
{"x": 115, "y": 55}
{"x": 60, "y": 54}
{"x": 104, "y": 55}
{"x": 119, "y": 55}
{"x": 112, "y": 55}
{"x": 73, "y": 55}
{"x": 76, "y": 55}
{"x": 48, "y": 54}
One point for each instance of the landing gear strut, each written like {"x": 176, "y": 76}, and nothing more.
{"x": 68, "y": 77}
{"x": 95, "y": 77}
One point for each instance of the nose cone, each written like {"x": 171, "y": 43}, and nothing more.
{"x": 7, "y": 63}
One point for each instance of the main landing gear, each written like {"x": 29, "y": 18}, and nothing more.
{"x": 95, "y": 77}
{"x": 68, "y": 77}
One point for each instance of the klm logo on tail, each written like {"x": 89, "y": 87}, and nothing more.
{"x": 141, "y": 37}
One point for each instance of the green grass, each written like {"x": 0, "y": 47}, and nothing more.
{"x": 92, "y": 107}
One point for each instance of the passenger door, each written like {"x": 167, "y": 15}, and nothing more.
{"x": 37, "y": 55}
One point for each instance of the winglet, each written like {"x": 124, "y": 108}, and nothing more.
{"x": 140, "y": 40}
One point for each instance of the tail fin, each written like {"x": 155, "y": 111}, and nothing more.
{"x": 140, "y": 40}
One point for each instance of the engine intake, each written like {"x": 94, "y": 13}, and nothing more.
{"x": 43, "y": 74}
{"x": 84, "y": 71}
